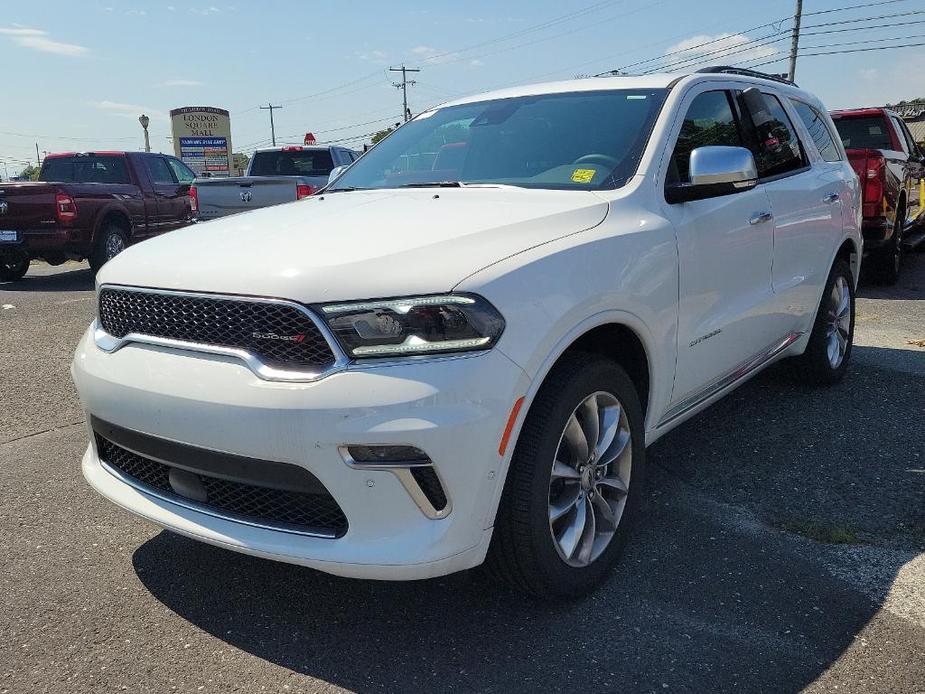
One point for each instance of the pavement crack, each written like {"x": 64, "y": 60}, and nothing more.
{"x": 44, "y": 431}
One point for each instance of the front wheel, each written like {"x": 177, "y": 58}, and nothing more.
{"x": 575, "y": 481}
{"x": 110, "y": 242}
{"x": 13, "y": 265}
{"x": 826, "y": 357}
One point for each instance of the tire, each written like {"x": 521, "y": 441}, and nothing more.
{"x": 887, "y": 260}
{"x": 13, "y": 265}
{"x": 817, "y": 364}
{"x": 111, "y": 241}
{"x": 524, "y": 551}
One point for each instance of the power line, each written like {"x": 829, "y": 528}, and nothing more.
{"x": 853, "y": 7}
{"x": 852, "y": 50}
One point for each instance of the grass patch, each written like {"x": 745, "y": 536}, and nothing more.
{"x": 829, "y": 533}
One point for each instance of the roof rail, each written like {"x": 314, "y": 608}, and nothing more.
{"x": 730, "y": 70}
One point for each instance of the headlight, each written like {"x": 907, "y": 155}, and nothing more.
{"x": 414, "y": 325}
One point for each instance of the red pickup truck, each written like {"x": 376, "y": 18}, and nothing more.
{"x": 90, "y": 205}
{"x": 890, "y": 165}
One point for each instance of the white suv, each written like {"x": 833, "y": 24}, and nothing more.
{"x": 459, "y": 351}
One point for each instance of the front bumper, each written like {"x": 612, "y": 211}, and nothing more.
{"x": 454, "y": 409}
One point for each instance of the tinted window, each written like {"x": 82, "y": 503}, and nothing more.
{"x": 865, "y": 132}
{"x": 94, "y": 169}
{"x": 183, "y": 173}
{"x": 306, "y": 162}
{"x": 818, "y": 130}
{"x": 159, "y": 170}
{"x": 709, "y": 121}
{"x": 777, "y": 148}
{"x": 904, "y": 143}
{"x": 576, "y": 140}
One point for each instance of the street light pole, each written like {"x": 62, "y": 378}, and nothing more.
{"x": 144, "y": 120}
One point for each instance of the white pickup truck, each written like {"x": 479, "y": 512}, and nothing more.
{"x": 459, "y": 351}
{"x": 274, "y": 175}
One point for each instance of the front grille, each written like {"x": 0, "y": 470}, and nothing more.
{"x": 284, "y": 509}
{"x": 280, "y": 335}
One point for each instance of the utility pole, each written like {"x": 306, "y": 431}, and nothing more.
{"x": 269, "y": 107}
{"x": 38, "y": 159}
{"x": 795, "y": 41}
{"x": 403, "y": 85}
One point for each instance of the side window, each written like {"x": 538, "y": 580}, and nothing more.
{"x": 777, "y": 147}
{"x": 183, "y": 173}
{"x": 709, "y": 121}
{"x": 913, "y": 146}
{"x": 159, "y": 170}
{"x": 818, "y": 130}
{"x": 904, "y": 136}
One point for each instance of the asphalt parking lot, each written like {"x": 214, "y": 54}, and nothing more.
{"x": 784, "y": 550}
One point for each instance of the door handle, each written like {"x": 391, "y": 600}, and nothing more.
{"x": 830, "y": 198}
{"x": 761, "y": 218}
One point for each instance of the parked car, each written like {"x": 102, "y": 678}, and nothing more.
{"x": 274, "y": 175}
{"x": 890, "y": 165}
{"x": 428, "y": 366}
{"x": 90, "y": 205}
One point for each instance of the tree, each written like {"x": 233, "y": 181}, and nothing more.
{"x": 30, "y": 172}
{"x": 382, "y": 134}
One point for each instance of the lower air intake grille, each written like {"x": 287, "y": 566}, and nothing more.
{"x": 430, "y": 484}
{"x": 283, "y": 509}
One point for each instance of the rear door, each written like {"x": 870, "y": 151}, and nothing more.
{"x": 914, "y": 172}
{"x": 806, "y": 198}
{"x": 724, "y": 247}
{"x": 172, "y": 196}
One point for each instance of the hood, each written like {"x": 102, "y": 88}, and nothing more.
{"x": 357, "y": 245}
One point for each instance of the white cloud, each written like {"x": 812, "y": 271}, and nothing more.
{"x": 434, "y": 55}
{"x": 212, "y": 9}
{"x": 736, "y": 47}
{"x": 475, "y": 62}
{"x": 38, "y": 40}
{"x": 374, "y": 56}
{"x": 869, "y": 74}
{"x": 180, "y": 83}
{"x": 129, "y": 110}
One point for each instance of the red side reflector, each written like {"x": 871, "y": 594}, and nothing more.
{"x": 303, "y": 190}
{"x": 510, "y": 425}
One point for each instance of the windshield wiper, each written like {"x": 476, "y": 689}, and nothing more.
{"x": 348, "y": 189}
{"x": 433, "y": 184}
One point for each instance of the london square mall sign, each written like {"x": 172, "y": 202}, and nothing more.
{"x": 202, "y": 139}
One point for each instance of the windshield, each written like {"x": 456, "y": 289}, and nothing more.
{"x": 300, "y": 162}
{"x": 865, "y": 132}
{"x": 572, "y": 141}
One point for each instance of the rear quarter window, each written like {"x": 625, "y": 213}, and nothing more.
{"x": 818, "y": 130}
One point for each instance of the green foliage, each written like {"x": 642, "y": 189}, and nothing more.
{"x": 31, "y": 172}
{"x": 382, "y": 134}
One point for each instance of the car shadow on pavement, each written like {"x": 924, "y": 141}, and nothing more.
{"x": 710, "y": 594}
{"x": 76, "y": 280}
{"x": 909, "y": 286}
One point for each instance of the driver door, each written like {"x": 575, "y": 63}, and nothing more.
{"x": 725, "y": 247}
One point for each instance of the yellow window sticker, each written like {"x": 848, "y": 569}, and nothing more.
{"x": 583, "y": 175}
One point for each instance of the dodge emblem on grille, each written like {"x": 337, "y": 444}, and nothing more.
{"x": 4, "y": 206}
{"x": 274, "y": 336}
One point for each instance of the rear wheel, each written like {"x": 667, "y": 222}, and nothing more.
{"x": 13, "y": 265}
{"x": 826, "y": 357}
{"x": 110, "y": 242}
{"x": 575, "y": 482}
{"x": 887, "y": 260}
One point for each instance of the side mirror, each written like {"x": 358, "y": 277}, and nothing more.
{"x": 335, "y": 172}
{"x": 715, "y": 171}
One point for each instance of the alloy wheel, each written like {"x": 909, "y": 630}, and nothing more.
{"x": 839, "y": 322}
{"x": 115, "y": 244}
{"x": 590, "y": 478}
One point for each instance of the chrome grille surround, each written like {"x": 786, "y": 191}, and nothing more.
{"x": 324, "y": 355}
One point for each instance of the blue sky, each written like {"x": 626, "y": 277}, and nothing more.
{"x": 77, "y": 74}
